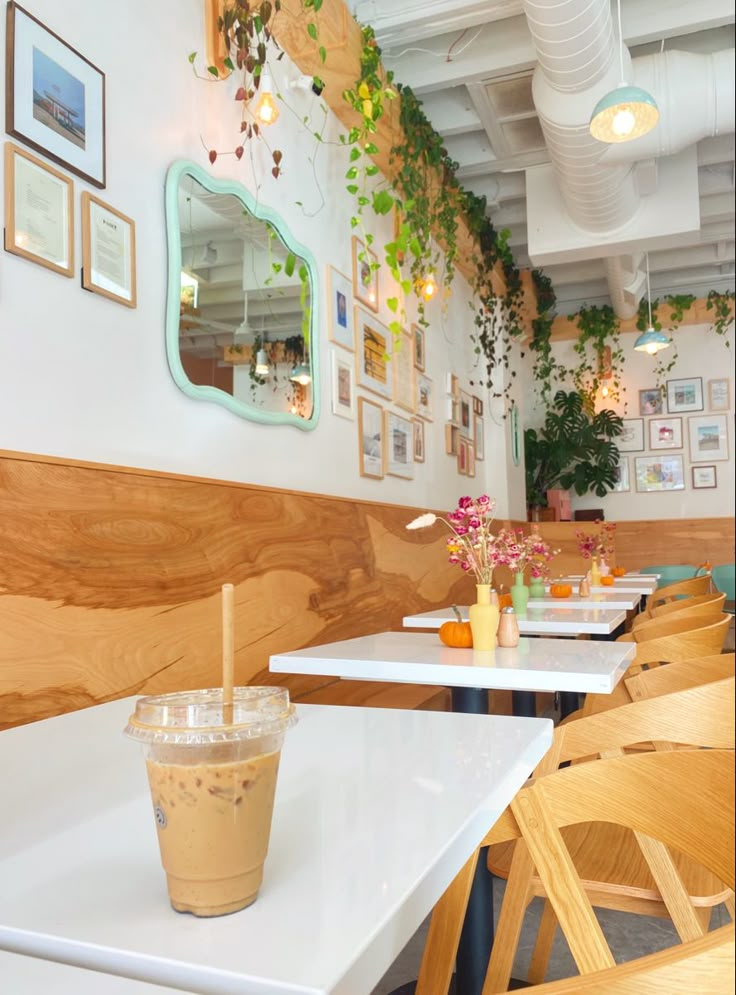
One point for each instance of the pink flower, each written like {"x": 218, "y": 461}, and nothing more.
{"x": 465, "y": 502}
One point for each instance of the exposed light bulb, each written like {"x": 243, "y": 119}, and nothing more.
{"x": 266, "y": 109}
{"x": 429, "y": 287}
{"x": 652, "y": 349}
{"x": 623, "y": 121}
{"x": 293, "y": 409}
{"x": 604, "y": 392}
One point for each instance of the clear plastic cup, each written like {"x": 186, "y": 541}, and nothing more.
{"x": 212, "y": 784}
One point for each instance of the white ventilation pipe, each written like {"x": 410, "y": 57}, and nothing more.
{"x": 626, "y": 283}
{"x": 695, "y": 95}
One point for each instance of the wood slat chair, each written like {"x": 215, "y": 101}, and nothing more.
{"x": 702, "y": 716}
{"x": 683, "y": 588}
{"x": 700, "y": 604}
{"x": 679, "y": 676}
{"x": 681, "y": 801}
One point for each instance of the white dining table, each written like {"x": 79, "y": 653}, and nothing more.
{"x": 32, "y": 976}
{"x": 621, "y": 585}
{"x": 609, "y": 598}
{"x": 376, "y": 811}
{"x": 545, "y": 621}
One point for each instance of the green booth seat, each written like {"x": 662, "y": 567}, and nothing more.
{"x": 670, "y": 573}
{"x": 723, "y": 578}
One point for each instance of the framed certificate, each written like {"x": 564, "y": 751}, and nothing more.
{"x": 108, "y": 251}
{"x": 39, "y": 211}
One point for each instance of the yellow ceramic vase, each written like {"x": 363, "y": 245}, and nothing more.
{"x": 484, "y": 618}
{"x": 595, "y": 573}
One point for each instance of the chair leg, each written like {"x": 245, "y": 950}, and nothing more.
{"x": 543, "y": 946}
{"x": 440, "y": 949}
{"x": 510, "y": 919}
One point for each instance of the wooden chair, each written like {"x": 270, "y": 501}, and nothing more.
{"x": 673, "y": 623}
{"x": 694, "y": 717}
{"x": 700, "y": 604}
{"x": 679, "y": 676}
{"x": 683, "y": 588}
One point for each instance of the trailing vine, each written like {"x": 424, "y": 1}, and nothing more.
{"x": 546, "y": 368}
{"x": 723, "y": 304}
{"x": 600, "y": 335}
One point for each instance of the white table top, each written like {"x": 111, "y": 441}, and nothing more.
{"x": 611, "y": 599}
{"x": 621, "y": 585}
{"x": 420, "y": 658}
{"x": 535, "y": 621}
{"x": 31, "y": 976}
{"x": 376, "y": 811}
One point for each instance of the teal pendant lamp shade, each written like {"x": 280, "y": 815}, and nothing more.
{"x": 301, "y": 374}
{"x": 623, "y": 114}
{"x": 651, "y": 341}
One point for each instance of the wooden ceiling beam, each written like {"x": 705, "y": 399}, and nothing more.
{"x": 341, "y": 37}
{"x": 566, "y": 328}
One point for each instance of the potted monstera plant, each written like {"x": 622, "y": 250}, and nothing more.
{"x": 575, "y": 449}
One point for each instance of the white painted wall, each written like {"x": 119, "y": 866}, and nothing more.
{"x": 701, "y": 353}
{"x": 82, "y": 377}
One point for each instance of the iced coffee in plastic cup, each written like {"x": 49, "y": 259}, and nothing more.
{"x": 212, "y": 787}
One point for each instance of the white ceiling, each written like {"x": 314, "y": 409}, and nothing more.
{"x": 470, "y": 62}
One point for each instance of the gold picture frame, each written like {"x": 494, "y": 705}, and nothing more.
{"x": 108, "y": 251}
{"x": 373, "y": 347}
{"x": 365, "y": 274}
{"x": 371, "y": 438}
{"x": 39, "y": 211}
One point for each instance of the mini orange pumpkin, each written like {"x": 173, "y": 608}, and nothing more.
{"x": 607, "y": 581}
{"x": 504, "y": 601}
{"x": 456, "y": 634}
{"x": 560, "y": 590}
{"x": 619, "y": 571}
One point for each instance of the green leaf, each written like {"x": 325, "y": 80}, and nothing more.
{"x": 352, "y": 188}
{"x": 354, "y": 154}
{"x": 312, "y": 30}
{"x": 228, "y": 63}
{"x": 383, "y": 202}
{"x": 192, "y": 57}
{"x": 371, "y": 170}
{"x": 213, "y": 71}
{"x": 371, "y": 148}
{"x": 322, "y": 53}
{"x": 290, "y": 264}
{"x": 392, "y": 303}
{"x": 352, "y": 173}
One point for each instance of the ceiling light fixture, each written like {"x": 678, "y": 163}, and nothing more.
{"x": 625, "y": 113}
{"x": 429, "y": 287}
{"x": 651, "y": 341}
{"x": 266, "y": 110}
{"x": 263, "y": 366}
{"x": 301, "y": 374}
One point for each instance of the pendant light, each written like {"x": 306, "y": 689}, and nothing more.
{"x": 301, "y": 374}
{"x": 625, "y": 113}
{"x": 263, "y": 367}
{"x": 651, "y": 341}
{"x": 266, "y": 111}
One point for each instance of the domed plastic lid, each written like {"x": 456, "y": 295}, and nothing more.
{"x": 197, "y": 717}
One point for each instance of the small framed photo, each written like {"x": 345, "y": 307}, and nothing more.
{"x": 703, "y": 476}
{"x": 54, "y": 97}
{"x": 479, "y": 437}
{"x": 108, "y": 251}
{"x": 665, "y": 433}
{"x": 39, "y": 211}
{"x": 373, "y": 347}
{"x": 708, "y": 438}
{"x": 471, "y": 459}
{"x": 418, "y": 440}
{"x": 370, "y": 437}
{"x": 399, "y": 446}
{"x": 466, "y": 415}
{"x": 685, "y": 395}
{"x": 420, "y": 360}
{"x": 452, "y": 385}
{"x": 365, "y": 274}
{"x": 719, "y": 395}
{"x": 659, "y": 473}
{"x": 477, "y": 406}
{"x": 651, "y": 401}
{"x": 404, "y": 372}
{"x": 340, "y": 328}
{"x": 343, "y": 385}
{"x": 631, "y": 439}
{"x": 621, "y": 474}
{"x": 425, "y": 397}
{"x": 452, "y": 437}
{"x": 452, "y": 409}
{"x": 462, "y": 456}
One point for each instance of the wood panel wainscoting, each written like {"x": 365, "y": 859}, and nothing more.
{"x": 110, "y": 583}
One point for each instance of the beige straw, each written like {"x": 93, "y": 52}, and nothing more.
{"x": 228, "y": 652}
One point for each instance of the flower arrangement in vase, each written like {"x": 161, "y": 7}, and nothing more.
{"x": 473, "y": 547}
{"x": 598, "y": 547}
{"x": 517, "y": 551}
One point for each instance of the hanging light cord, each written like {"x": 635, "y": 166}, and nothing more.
{"x": 620, "y": 44}
{"x": 649, "y": 293}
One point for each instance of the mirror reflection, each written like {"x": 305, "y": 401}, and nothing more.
{"x": 240, "y": 302}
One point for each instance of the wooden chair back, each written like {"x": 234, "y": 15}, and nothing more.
{"x": 693, "y": 639}
{"x": 699, "y": 604}
{"x": 679, "y": 676}
{"x": 684, "y": 799}
{"x": 674, "y": 624}
{"x": 686, "y": 588}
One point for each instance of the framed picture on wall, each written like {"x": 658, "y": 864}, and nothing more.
{"x": 665, "y": 433}
{"x": 365, "y": 274}
{"x": 631, "y": 439}
{"x": 55, "y": 97}
{"x": 719, "y": 395}
{"x": 659, "y": 473}
{"x": 462, "y": 456}
{"x": 452, "y": 436}
{"x": 708, "y": 438}
{"x": 39, "y": 211}
{"x": 703, "y": 476}
{"x": 404, "y": 372}
{"x": 370, "y": 438}
{"x": 425, "y": 397}
{"x": 108, "y": 251}
{"x": 373, "y": 347}
{"x": 471, "y": 459}
{"x": 650, "y": 401}
{"x": 399, "y": 446}
{"x": 622, "y": 475}
{"x": 340, "y": 328}
{"x": 685, "y": 395}
{"x": 419, "y": 356}
{"x": 466, "y": 415}
{"x": 343, "y": 385}
{"x": 418, "y": 440}
{"x": 479, "y": 437}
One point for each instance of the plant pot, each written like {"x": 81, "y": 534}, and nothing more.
{"x": 519, "y": 594}
{"x": 483, "y": 616}
{"x": 536, "y": 587}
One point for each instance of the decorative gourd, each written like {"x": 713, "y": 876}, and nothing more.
{"x": 504, "y": 601}
{"x": 457, "y": 634}
{"x": 560, "y": 590}
{"x": 607, "y": 581}
{"x": 619, "y": 571}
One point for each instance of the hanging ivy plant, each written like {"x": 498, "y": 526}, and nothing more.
{"x": 599, "y": 333}
{"x": 723, "y": 305}
{"x": 546, "y": 369}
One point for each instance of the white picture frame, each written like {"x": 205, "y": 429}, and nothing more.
{"x": 399, "y": 434}
{"x": 704, "y": 477}
{"x": 404, "y": 372}
{"x": 343, "y": 385}
{"x": 660, "y": 473}
{"x": 424, "y": 397}
{"x": 708, "y": 438}
{"x": 419, "y": 441}
{"x": 623, "y": 481}
{"x": 373, "y": 346}
{"x": 631, "y": 439}
{"x": 340, "y": 310}
{"x": 665, "y": 433}
{"x": 479, "y": 435}
{"x": 685, "y": 394}
{"x": 719, "y": 394}
{"x": 370, "y": 438}
{"x": 466, "y": 415}
{"x": 108, "y": 251}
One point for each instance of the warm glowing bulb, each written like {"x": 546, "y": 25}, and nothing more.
{"x": 623, "y": 121}
{"x": 652, "y": 348}
{"x": 604, "y": 392}
{"x": 293, "y": 409}
{"x": 429, "y": 288}
{"x": 372, "y": 296}
{"x": 266, "y": 110}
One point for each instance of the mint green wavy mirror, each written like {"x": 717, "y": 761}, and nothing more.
{"x": 241, "y": 307}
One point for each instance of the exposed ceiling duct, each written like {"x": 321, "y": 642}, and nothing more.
{"x": 591, "y": 202}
